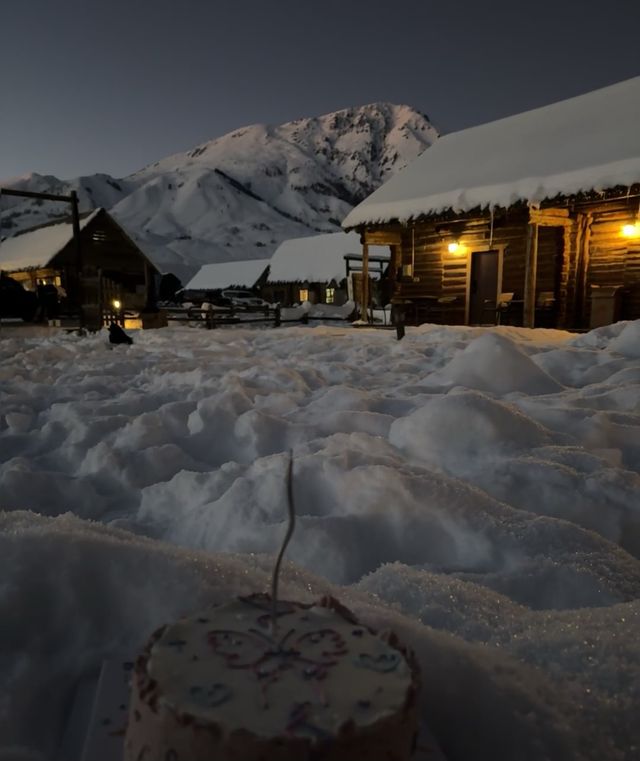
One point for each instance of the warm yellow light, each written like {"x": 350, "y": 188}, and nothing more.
{"x": 454, "y": 248}
{"x": 116, "y": 304}
{"x": 631, "y": 231}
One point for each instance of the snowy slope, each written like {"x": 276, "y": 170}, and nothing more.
{"x": 240, "y": 195}
{"x": 18, "y": 214}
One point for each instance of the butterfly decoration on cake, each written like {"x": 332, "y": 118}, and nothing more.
{"x": 268, "y": 654}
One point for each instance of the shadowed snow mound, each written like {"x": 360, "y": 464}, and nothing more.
{"x": 627, "y": 342}
{"x": 494, "y": 363}
{"x": 464, "y": 429}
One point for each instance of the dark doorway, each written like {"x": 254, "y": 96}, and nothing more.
{"x": 483, "y": 292}
{"x": 549, "y": 276}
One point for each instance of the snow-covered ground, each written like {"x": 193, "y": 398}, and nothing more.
{"x": 478, "y": 490}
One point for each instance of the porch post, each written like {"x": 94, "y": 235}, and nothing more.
{"x": 365, "y": 282}
{"x": 75, "y": 225}
{"x": 582, "y": 270}
{"x": 530, "y": 276}
{"x": 151, "y": 295}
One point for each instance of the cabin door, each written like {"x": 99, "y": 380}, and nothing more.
{"x": 483, "y": 289}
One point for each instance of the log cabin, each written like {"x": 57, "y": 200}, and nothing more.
{"x": 319, "y": 268}
{"x": 533, "y": 219}
{"x": 105, "y": 277}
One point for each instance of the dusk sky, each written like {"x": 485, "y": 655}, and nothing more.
{"x": 95, "y": 86}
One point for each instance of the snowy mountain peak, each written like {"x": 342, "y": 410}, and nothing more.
{"x": 240, "y": 195}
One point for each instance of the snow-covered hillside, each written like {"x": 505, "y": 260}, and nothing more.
{"x": 17, "y": 214}
{"x": 239, "y": 196}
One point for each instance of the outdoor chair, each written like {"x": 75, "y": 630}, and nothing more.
{"x": 545, "y": 309}
{"x": 503, "y": 306}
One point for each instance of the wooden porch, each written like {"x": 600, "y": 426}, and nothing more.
{"x": 560, "y": 266}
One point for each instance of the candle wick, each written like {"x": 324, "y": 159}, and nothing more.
{"x": 290, "y": 529}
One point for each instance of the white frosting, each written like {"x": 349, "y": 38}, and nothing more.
{"x": 308, "y": 678}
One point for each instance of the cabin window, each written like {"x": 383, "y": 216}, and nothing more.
{"x": 330, "y": 295}
{"x": 304, "y": 294}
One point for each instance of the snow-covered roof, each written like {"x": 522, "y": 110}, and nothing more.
{"x": 223, "y": 274}
{"x": 317, "y": 258}
{"x": 591, "y": 142}
{"x": 38, "y": 247}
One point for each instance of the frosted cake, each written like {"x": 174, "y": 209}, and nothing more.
{"x": 224, "y": 686}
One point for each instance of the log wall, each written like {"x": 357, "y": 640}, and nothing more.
{"x": 614, "y": 259}
{"x": 578, "y": 246}
{"x": 438, "y": 273}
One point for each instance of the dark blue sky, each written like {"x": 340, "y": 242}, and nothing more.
{"x": 91, "y": 85}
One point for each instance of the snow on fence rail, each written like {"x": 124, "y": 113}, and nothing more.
{"x": 214, "y": 316}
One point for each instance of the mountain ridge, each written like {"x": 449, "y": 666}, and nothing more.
{"x": 240, "y": 195}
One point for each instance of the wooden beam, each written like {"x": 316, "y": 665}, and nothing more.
{"x": 550, "y": 211}
{"x": 394, "y": 264}
{"x": 550, "y": 217}
{"x": 381, "y": 238}
{"x": 582, "y": 270}
{"x": 75, "y": 224}
{"x": 365, "y": 282}
{"x": 32, "y": 194}
{"x": 531, "y": 264}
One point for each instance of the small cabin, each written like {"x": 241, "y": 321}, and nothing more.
{"x": 103, "y": 274}
{"x": 530, "y": 220}
{"x": 319, "y": 269}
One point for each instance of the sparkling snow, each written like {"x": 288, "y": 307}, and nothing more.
{"x": 475, "y": 489}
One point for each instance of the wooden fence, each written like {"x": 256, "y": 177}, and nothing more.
{"x": 221, "y": 316}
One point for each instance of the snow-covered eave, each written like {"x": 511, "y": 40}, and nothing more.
{"x": 241, "y": 274}
{"x": 531, "y": 190}
{"x": 310, "y": 280}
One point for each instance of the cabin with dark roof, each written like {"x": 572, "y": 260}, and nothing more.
{"x": 532, "y": 220}
{"x": 104, "y": 278}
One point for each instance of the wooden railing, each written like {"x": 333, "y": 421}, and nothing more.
{"x": 234, "y": 315}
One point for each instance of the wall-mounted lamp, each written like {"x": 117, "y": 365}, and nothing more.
{"x": 116, "y": 304}
{"x": 454, "y": 248}
{"x": 631, "y": 231}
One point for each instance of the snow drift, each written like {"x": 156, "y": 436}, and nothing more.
{"x": 491, "y": 518}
